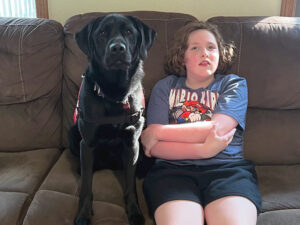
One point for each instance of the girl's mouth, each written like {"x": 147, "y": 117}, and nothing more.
{"x": 204, "y": 63}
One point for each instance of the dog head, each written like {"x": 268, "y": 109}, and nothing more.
{"x": 115, "y": 42}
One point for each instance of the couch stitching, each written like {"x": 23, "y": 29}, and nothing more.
{"x": 20, "y": 64}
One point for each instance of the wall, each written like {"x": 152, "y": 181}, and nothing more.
{"x": 61, "y": 10}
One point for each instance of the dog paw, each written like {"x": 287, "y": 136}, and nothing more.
{"x": 137, "y": 219}
{"x": 82, "y": 221}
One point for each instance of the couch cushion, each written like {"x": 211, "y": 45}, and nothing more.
{"x": 107, "y": 184}
{"x": 64, "y": 178}
{"x": 24, "y": 171}
{"x": 31, "y": 53}
{"x": 58, "y": 208}
{"x": 11, "y": 204}
{"x": 271, "y": 136}
{"x": 268, "y": 52}
{"x": 31, "y": 125}
{"x": 268, "y": 56}
{"x": 280, "y": 217}
{"x": 75, "y": 61}
{"x": 31, "y": 56}
{"x": 279, "y": 186}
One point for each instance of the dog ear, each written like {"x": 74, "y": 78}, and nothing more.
{"x": 84, "y": 37}
{"x": 147, "y": 37}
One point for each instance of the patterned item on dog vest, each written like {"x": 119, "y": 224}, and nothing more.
{"x": 126, "y": 104}
{"x": 75, "y": 115}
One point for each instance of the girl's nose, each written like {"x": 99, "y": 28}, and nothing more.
{"x": 204, "y": 53}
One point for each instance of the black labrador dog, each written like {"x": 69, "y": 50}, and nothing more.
{"x": 109, "y": 111}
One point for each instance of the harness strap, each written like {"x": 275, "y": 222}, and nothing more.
{"x": 76, "y": 111}
{"x": 122, "y": 119}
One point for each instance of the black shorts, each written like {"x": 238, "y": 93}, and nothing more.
{"x": 202, "y": 184}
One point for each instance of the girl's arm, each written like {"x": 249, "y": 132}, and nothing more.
{"x": 225, "y": 123}
{"x": 189, "y": 132}
{"x": 195, "y": 133}
{"x": 189, "y": 141}
{"x": 182, "y": 150}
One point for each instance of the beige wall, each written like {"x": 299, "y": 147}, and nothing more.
{"x": 60, "y": 10}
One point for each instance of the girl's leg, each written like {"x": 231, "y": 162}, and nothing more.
{"x": 231, "y": 210}
{"x": 179, "y": 212}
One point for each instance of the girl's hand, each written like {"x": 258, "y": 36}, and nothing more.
{"x": 149, "y": 137}
{"x": 215, "y": 143}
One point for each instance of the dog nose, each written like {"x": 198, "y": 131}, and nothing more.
{"x": 117, "y": 48}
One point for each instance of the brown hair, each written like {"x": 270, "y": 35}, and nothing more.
{"x": 175, "y": 59}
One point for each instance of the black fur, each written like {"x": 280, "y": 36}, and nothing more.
{"x": 107, "y": 129}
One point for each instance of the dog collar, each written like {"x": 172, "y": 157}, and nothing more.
{"x": 125, "y": 118}
{"x": 97, "y": 90}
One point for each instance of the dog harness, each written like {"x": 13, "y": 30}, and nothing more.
{"x": 127, "y": 117}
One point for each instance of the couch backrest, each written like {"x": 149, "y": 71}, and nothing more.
{"x": 30, "y": 83}
{"x": 268, "y": 53}
{"x": 75, "y": 61}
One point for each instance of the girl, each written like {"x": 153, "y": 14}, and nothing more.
{"x": 196, "y": 120}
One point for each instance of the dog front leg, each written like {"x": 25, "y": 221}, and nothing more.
{"x": 85, "y": 197}
{"x": 134, "y": 213}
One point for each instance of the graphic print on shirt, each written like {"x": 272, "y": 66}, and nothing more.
{"x": 189, "y": 106}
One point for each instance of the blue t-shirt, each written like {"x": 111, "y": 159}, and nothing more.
{"x": 172, "y": 102}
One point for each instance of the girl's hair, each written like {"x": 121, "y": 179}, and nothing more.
{"x": 175, "y": 59}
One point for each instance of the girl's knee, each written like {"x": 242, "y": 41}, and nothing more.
{"x": 179, "y": 212}
{"x": 233, "y": 210}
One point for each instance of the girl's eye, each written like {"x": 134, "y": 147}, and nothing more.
{"x": 211, "y": 47}
{"x": 194, "y": 48}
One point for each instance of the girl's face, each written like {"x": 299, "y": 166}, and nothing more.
{"x": 201, "y": 58}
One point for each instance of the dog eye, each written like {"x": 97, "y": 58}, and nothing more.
{"x": 102, "y": 33}
{"x": 128, "y": 32}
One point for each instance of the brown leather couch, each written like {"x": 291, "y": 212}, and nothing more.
{"x": 40, "y": 73}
